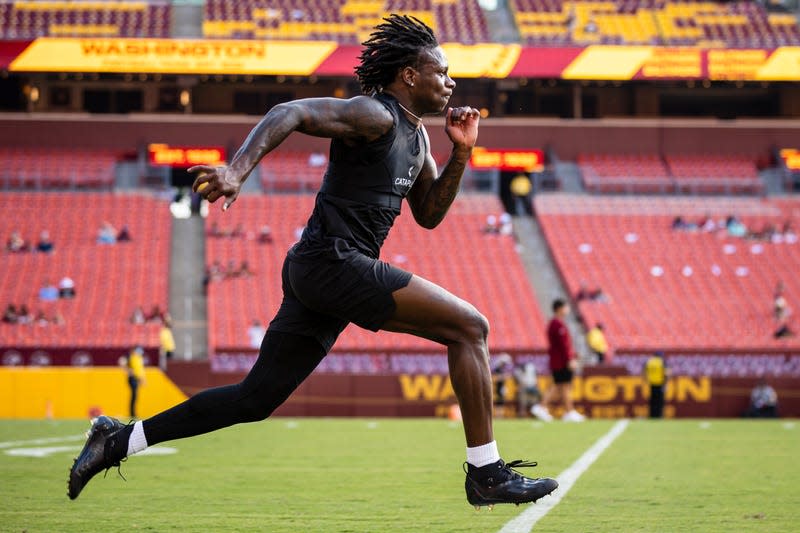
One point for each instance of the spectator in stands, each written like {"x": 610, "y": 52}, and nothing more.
{"x": 231, "y": 270}
{"x": 215, "y": 231}
{"x": 265, "y": 235}
{"x": 783, "y": 331}
{"x": 528, "y": 394}
{"x": 563, "y": 364}
{"x": 767, "y": 233}
{"x": 10, "y": 314}
{"x": 596, "y": 339}
{"x": 66, "y": 288}
{"x": 656, "y": 373}
{"x": 708, "y": 224}
{"x": 735, "y": 227}
{"x": 137, "y": 317}
{"x": 780, "y": 306}
{"x": 788, "y": 233}
{"x": 491, "y": 226}
{"x": 124, "y": 234}
{"x": 255, "y": 334}
{"x": 155, "y": 314}
{"x": 166, "y": 341}
{"x": 215, "y": 271}
{"x": 763, "y": 401}
{"x": 16, "y": 244}
{"x": 681, "y": 224}
{"x": 49, "y": 292}
{"x": 590, "y": 26}
{"x": 24, "y": 316}
{"x": 45, "y": 245}
{"x": 506, "y": 226}
{"x": 244, "y": 270}
{"x": 41, "y": 319}
{"x": 107, "y": 234}
{"x": 592, "y": 295}
{"x": 238, "y": 231}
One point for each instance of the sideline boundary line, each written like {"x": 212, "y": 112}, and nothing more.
{"x": 44, "y": 440}
{"x": 524, "y": 522}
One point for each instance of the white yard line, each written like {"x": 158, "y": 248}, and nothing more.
{"x": 525, "y": 521}
{"x": 48, "y": 440}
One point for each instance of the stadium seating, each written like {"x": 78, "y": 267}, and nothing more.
{"x": 110, "y": 280}
{"x": 676, "y": 290}
{"x": 673, "y": 23}
{"x": 27, "y": 19}
{"x": 344, "y": 21}
{"x": 484, "y": 269}
{"x": 682, "y": 173}
{"x": 715, "y": 173}
{"x": 287, "y": 171}
{"x": 625, "y": 173}
{"x": 40, "y": 168}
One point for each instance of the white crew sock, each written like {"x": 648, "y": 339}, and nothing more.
{"x": 483, "y": 455}
{"x": 137, "y": 441}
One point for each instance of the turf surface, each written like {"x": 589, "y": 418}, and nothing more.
{"x": 353, "y": 475}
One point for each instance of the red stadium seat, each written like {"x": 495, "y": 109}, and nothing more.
{"x": 675, "y": 290}
{"x": 110, "y": 280}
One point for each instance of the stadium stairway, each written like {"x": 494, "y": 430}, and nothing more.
{"x": 544, "y": 276}
{"x": 501, "y": 25}
{"x": 187, "y": 299}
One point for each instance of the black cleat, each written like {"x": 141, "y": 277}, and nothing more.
{"x": 98, "y": 454}
{"x": 500, "y": 483}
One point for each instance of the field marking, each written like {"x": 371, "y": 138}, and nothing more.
{"x": 47, "y": 440}
{"x": 41, "y": 451}
{"x": 524, "y": 522}
{"x": 46, "y": 451}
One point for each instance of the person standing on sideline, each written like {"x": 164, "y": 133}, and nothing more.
{"x": 563, "y": 364}
{"x": 656, "y": 374}
{"x": 596, "y": 339}
{"x": 134, "y": 365}
{"x": 380, "y": 153}
{"x": 166, "y": 341}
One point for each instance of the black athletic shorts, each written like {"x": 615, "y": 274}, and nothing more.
{"x": 321, "y": 297}
{"x": 562, "y": 375}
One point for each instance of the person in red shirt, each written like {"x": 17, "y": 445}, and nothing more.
{"x": 562, "y": 365}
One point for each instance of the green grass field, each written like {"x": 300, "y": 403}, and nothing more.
{"x": 354, "y": 475}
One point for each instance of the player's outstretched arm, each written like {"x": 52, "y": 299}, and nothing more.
{"x": 431, "y": 196}
{"x": 359, "y": 119}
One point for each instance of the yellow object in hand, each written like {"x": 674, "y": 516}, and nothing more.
{"x": 202, "y": 186}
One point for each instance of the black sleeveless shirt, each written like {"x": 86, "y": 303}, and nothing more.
{"x": 362, "y": 191}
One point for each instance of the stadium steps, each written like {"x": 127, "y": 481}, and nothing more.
{"x": 187, "y": 299}
{"x": 569, "y": 177}
{"x": 501, "y": 25}
{"x": 543, "y": 275}
{"x": 187, "y": 19}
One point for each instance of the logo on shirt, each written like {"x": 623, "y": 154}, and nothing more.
{"x": 406, "y": 182}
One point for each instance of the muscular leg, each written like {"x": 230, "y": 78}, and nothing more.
{"x": 284, "y": 361}
{"x": 427, "y": 310}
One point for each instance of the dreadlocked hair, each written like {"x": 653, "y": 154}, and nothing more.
{"x": 395, "y": 43}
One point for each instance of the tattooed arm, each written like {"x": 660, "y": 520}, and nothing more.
{"x": 357, "y": 120}
{"x": 431, "y": 196}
